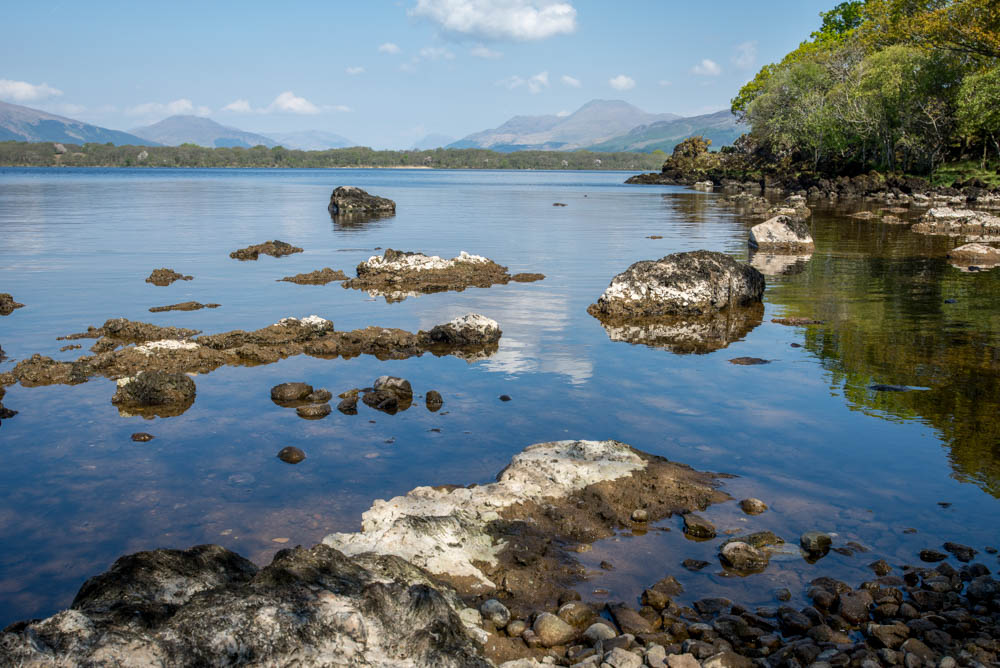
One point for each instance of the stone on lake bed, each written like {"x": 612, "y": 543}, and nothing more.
{"x": 697, "y": 526}
{"x": 313, "y": 411}
{"x": 753, "y": 506}
{"x": 142, "y": 437}
{"x": 743, "y": 557}
{"x": 816, "y": 542}
{"x": 932, "y": 556}
{"x": 288, "y": 392}
{"x": 694, "y": 564}
{"x": 748, "y": 361}
{"x": 795, "y": 321}
{"x": 291, "y": 455}
{"x": 182, "y": 306}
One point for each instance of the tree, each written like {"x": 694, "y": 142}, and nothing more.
{"x": 979, "y": 107}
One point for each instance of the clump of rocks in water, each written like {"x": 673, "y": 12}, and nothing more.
{"x": 971, "y": 224}
{"x": 351, "y": 201}
{"x": 182, "y": 306}
{"x": 5, "y": 413}
{"x": 396, "y": 275}
{"x": 154, "y": 394}
{"x": 309, "y": 403}
{"x": 273, "y": 248}
{"x": 7, "y": 304}
{"x": 318, "y": 277}
{"x": 163, "y": 277}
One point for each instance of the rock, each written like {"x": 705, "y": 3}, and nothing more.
{"x": 7, "y": 304}
{"x": 183, "y": 306}
{"x": 975, "y": 253}
{"x": 318, "y": 277}
{"x": 743, "y": 557}
{"x": 697, "y": 526}
{"x": 779, "y": 262}
{"x": 620, "y": 658}
{"x": 273, "y": 248}
{"x": 694, "y": 564}
{"x": 698, "y": 282}
{"x": 516, "y": 627}
{"x": 433, "y": 401}
{"x": 854, "y": 606}
{"x": 348, "y": 406}
{"x": 352, "y": 201}
{"x": 142, "y": 437}
{"x": 155, "y": 393}
{"x": 291, "y": 455}
{"x": 752, "y": 506}
{"x": 599, "y": 632}
{"x": 963, "y": 553}
{"x": 712, "y": 606}
{"x": 163, "y": 277}
{"x": 576, "y": 613}
{"x": 290, "y": 392}
{"x": 815, "y": 543}
{"x": 385, "y": 401}
{"x": 890, "y": 636}
{"x": 880, "y": 567}
{"x": 784, "y": 232}
{"x": 640, "y": 515}
{"x": 313, "y": 411}
{"x": 703, "y": 186}
{"x": 727, "y": 659}
{"x": 552, "y": 631}
{"x": 495, "y": 612}
{"x": 932, "y": 556}
{"x": 504, "y": 397}
{"x": 320, "y": 396}
{"x": 684, "y": 334}
{"x": 396, "y": 275}
{"x": 527, "y": 277}
{"x": 796, "y": 321}
{"x": 398, "y": 387}
{"x": 467, "y": 330}
{"x": 628, "y": 620}
{"x": 682, "y": 661}
{"x": 209, "y": 606}
{"x": 748, "y": 361}
{"x": 973, "y": 225}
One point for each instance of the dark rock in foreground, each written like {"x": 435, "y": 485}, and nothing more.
{"x": 273, "y": 248}
{"x": 163, "y": 277}
{"x": 353, "y": 201}
{"x": 154, "y": 393}
{"x": 694, "y": 283}
{"x": 318, "y": 277}
{"x": 7, "y": 304}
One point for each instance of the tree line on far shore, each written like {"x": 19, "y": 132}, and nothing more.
{"x": 25, "y": 154}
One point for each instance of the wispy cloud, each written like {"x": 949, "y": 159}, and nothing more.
{"x": 353, "y": 71}
{"x": 388, "y": 47}
{"x": 285, "y": 103}
{"x": 746, "y": 55}
{"x": 436, "y": 53}
{"x": 239, "y": 107}
{"x": 22, "y": 91}
{"x": 572, "y": 82}
{"x": 518, "y": 20}
{"x": 707, "y": 68}
{"x": 622, "y": 82}
{"x": 480, "y": 51}
{"x": 182, "y": 106}
{"x": 535, "y": 83}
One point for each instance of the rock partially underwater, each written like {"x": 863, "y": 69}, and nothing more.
{"x": 971, "y": 224}
{"x": 684, "y": 334}
{"x": 318, "y": 277}
{"x": 781, "y": 233}
{"x": 273, "y": 248}
{"x": 163, "y": 277}
{"x": 396, "y": 275}
{"x": 7, "y": 304}
{"x": 353, "y": 202}
{"x": 974, "y": 254}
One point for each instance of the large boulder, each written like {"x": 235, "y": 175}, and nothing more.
{"x": 471, "y": 329}
{"x": 353, "y": 201}
{"x": 784, "y": 232}
{"x": 977, "y": 254}
{"x": 697, "y": 282}
{"x": 158, "y": 393}
{"x": 958, "y": 222}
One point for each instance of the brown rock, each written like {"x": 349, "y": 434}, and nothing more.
{"x": 291, "y": 455}
{"x": 163, "y": 277}
{"x": 273, "y": 248}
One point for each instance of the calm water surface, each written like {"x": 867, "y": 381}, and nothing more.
{"x": 804, "y": 433}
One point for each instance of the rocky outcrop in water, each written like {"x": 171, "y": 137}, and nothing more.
{"x": 183, "y": 306}
{"x": 686, "y": 334}
{"x": 7, "y": 304}
{"x": 974, "y": 225}
{"x": 354, "y": 202}
{"x": 781, "y": 233}
{"x": 396, "y": 275}
{"x": 975, "y": 254}
{"x": 694, "y": 283}
{"x": 163, "y": 277}
{"x": 318, "y": 277}
{"x": 154, "y": 393}
{"x": 273, "y": 248}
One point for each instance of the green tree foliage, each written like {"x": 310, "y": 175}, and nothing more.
{"x": 979, "y": 108}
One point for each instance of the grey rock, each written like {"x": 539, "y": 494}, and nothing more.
{"x": 599, "y": 632}
{"x": 621, "y": 658}
{"x": 727, "y": 659}
{"x": 753, "y": 506}
{"x": 743, "y": 557}
{"x": 397, "y": 386}
{"x": 495, "y": 612}
{"x": 781, "y": 232}
{"x": 815, "y": 543}
{"x": 552, "y": 631}
{"x": 697, "y": 526}
{"x": 682, "y": 661}
{"x": 516, "y": 627}
{"x": 288, "y": 392}
{"x": 291, "y": 455}
{"x": 576, "y": 613}
{"x": 313, "y": 411}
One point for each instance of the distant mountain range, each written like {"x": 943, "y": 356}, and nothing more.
{"x": 177, "y": 130}
{"x": 432, "y": 141}
{"x": 603, "y": 125}
{"x": 19, "y": 123}
{"x": 310, "y": 140}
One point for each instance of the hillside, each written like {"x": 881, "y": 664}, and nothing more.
{"x": 720, "y": 127}
{"x": 19, "y": 123}
{"x": 177, "y": 130}
{"x": 595, "y": 122}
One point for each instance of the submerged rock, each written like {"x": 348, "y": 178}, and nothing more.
{"x": 183, "y": 306}
{"x": 290, "y": 392}
{"x": 155, "y": 393}
{"x": 743, "y": 558}
{"x": 753, "y": 506}
{"x": 781, "y": 232}
{"x": 353, "y": 201}
{"x": 291, "y": 455}
{"x": 697, "y": 526}
{"x": 685, "y": 334}
{"x": 434, "y": 401}
{"x": 208, "y": 606}
{"x": 976, "y": 254}
{"x": 748, "y": 361}
{"x": 795, "y": 321}
{"x": 396, "y": 275}
{"x": 694, "y": 283}
{"x": 273, "y": 248}
{"x": 163, "y": 277}
{"x": 815, "y": 543}
{"x": 527, "y": 277}
{"x": 7, "y": 304}
{"x": 313, "y": 411}
{"x": 318, "y": 277}
{"x": 142, "y": 437}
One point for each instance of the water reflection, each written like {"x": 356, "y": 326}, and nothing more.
{"x": 698, "y": 334}
{"x": 776, "y": 264}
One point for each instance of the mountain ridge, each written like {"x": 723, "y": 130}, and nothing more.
{"x": 20, "y": 123}
{"x": 186, "y": 129}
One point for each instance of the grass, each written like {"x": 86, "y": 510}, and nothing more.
{"x": 965, "y": 170}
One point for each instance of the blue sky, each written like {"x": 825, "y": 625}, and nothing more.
{"x": 386, "y": 73}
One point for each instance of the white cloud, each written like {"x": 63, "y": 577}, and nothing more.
{"x": 340, "y": 107}
{"x": 664, "y": 82}
{"x": 707, "y": 68}
{"x": 511, "y": 82}
{"x": 746, "y": 55}
{"x": 388, "y": 47}
{"x": 436, "y": 53}
{"x": 354, "y": 70}
{"x": 22, "y": 91}
{"x": 520, "y": 20}
{"x": 622, "y": 82}
{"x": 481, "y": 51}
{"x": 288, "y": 102}
{"x": 535, "y": 83}
{"x": 239, "y": 107}
{"x": 182, "y": 106}
{"x": 572, "y": 82}
{"x": 562, "y": 114}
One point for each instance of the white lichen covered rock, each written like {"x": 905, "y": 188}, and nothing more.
{"x": 784, "y": 232}
{"x": 444, "y": 531}
{"x": 399, "y": 261}
{"x": 313, "y": 322}
{"x": 698, "y": 282}
{"x": 151, "y": 348}
{"x": 976, "y": 254}
{"x": 969, "y": 223}
{"x": 467, "y": 330}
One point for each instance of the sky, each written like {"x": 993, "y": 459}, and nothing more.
{"x": 386, "y": 73}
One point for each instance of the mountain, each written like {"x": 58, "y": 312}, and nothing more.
{"x": 594, "y": 122}
{"x": 310, "y": 140}
{"x": 19, "y": 123}
{"x": 177, "y": 130}
{"x": 432, "y": 141}
{"x": 720, "y": 127}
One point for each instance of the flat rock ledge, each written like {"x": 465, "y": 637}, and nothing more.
{"x": 974, "y": 225}
{"x": 352, "y": 201}
{"x": 396, "y": 275}
{"x": 781, "y": 233}
{"x": 274, "y": 248}
{"x": 318, "y": 277}
{"x": 380, "y": 597}
{"x": 975, "y": 254}
{"x": 692, "y": 283}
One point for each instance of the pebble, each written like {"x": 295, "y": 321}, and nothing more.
{"x": 640, "y": 515}
{"x": 552, "y": 631}
{"x": 516, "y": 627}
{"x": 496, "y": 612}
{"x": 142, "y": 437}
{"x": 291, "y": 455}
{"x": 280, "y": 540}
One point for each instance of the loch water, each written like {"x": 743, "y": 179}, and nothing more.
{"x": 805, "y": 433}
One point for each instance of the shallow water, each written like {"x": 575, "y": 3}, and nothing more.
{"x": 804, "y": 432}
